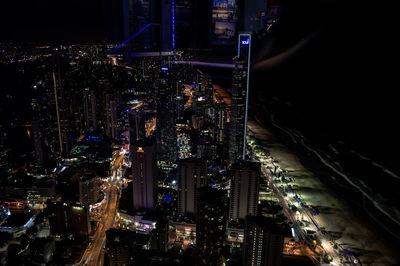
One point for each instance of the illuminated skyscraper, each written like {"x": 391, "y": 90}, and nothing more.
{"x": 61, "y": 110}
{"x": 37, "y": 136}
{"x": 210, "y": 225}
{"x": 202, "y": 104}
{"x": 89, "y": 101}
{"x": 120, "y": 246}
{"x": 144, "y": 173}
{"x": 221, "y": 127}
{"x": 112, "y": 123}
{"x": 137, "y": 127}
{"x": 240, "y": 94}
{"x": 263, "y": 242}
{"x": 166, "y": 115}
{"x": 245, "y": 179}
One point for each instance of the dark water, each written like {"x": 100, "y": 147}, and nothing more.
{"x": 338, "y": 88}
{"x": 356, "y": 130}
{"x": 334, "y": 86}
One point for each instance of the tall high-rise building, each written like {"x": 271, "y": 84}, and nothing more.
{"x": 112, "y": 118}
{"x": 124, "y": 247}
{"x": 203, "y": 100}
{"x": 210, "y": 225}
{"x": 37, "y": 141}
{"x": 192, "y": 175}
{"x": 264, "y": 241}
{"x": 60, "y": 95}
{"x": 68, "y": 219}
{"x": 103, "y": 86}
{"x": 221, "y": 127}
{"x": 180, "y": 107}
{"x": 245, "y": 179}
{"x": 89, "y": 101}
{"x": 166, "y": 118}
{"x": 240, "y": 94}
{"x": 120, "y": 246}
{"x": 137, "y": 124}
{"x": 89, "y": 187}
{"x": 144, "y": 174}
{"x": 49, "y": 111}
{"x": 159, "y": 236}
{"x": 44, "y": 122}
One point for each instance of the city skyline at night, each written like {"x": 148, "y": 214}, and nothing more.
{"x": 191, "y": 132}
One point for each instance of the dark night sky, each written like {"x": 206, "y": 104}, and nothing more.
{"x": 342, "y": 83}
{"x": 49, "y": 20}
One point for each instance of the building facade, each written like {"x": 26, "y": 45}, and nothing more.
{"x": 245, "y": 183}
{"x": 192, "y": 175}
{"x": 144, "y": 174}
{"x": 166, "y": 93}
{"x": 68, "y": 219}
{"x": 88, "y": 190}
{"x": 210, "y": 225}
{"x": 263, "y": 242}
{"x": 239, "y": 105}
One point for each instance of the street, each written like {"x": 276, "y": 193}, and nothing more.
{"x": 306, "y": 228}
{"x": 94, "y": 254}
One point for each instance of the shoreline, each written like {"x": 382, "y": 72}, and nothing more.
{"x": 351, "y": 230}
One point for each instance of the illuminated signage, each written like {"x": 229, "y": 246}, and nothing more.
{"x": 245, "y": 42}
